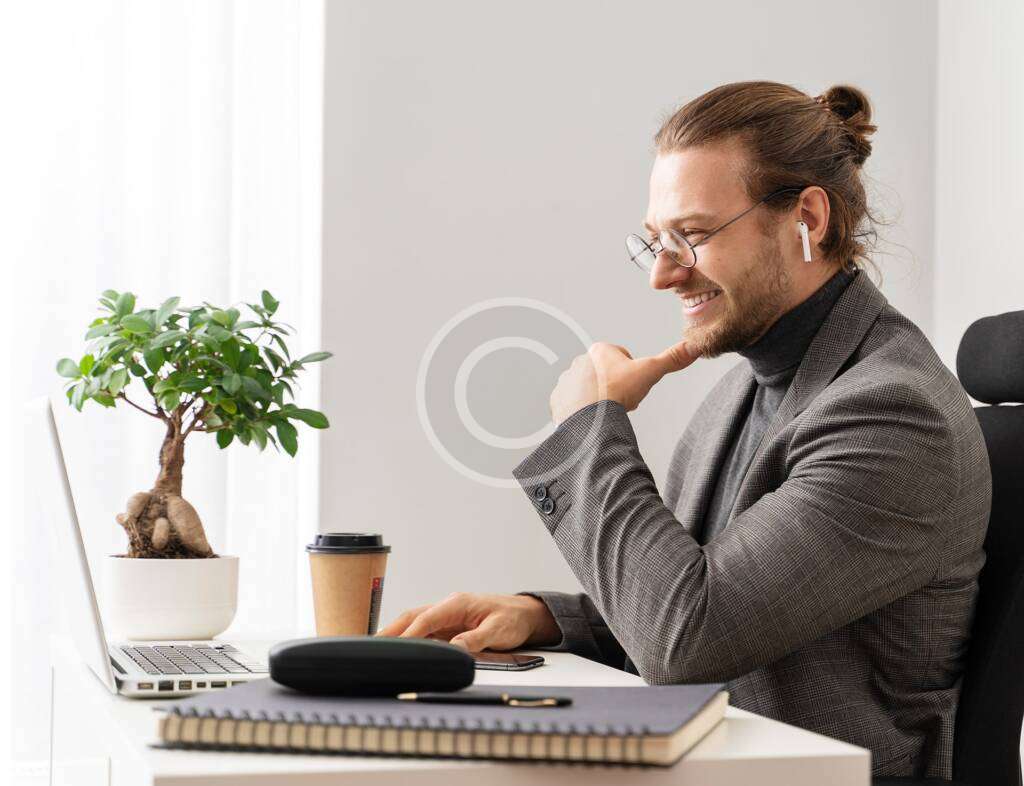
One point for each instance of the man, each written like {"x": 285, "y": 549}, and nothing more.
{"x": 819, "y": 537}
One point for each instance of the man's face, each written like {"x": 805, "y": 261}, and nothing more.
{"x": 694, "y": 191}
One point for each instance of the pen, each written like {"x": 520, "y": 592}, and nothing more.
{"x": 488, "y": 698}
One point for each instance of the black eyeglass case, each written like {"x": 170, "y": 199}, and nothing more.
{"x": 370, "y": 665}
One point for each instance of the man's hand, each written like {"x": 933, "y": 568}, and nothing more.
{"x": 479, "y": 622}
{"x": 608, "y": 371}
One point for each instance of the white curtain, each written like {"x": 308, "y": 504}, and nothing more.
{"x": 170, "y": 148}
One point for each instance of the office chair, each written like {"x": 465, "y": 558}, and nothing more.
{"x": 986, "y": 744}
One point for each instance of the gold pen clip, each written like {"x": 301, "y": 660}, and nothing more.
{"x": 532, "y": 702}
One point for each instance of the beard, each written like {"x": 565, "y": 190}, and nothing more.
{"x": 750, "y": 307}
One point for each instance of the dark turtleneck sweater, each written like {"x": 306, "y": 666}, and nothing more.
{"x": 774, "y": 359}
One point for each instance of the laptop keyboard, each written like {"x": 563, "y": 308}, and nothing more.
{"x": 189, "y": 659}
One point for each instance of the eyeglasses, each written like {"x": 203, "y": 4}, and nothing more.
{"x": 644, "y": 253}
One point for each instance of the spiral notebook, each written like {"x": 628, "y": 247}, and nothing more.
{"x": 642, "y": 725}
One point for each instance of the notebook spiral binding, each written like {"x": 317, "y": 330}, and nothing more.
{"x": 402, "y": 736}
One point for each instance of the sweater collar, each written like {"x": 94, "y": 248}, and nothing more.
{"x": 775, "y": 356}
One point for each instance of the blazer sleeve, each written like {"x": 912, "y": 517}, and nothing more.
{"x": 858, "y": 522}
{"x": 584, "y": 630}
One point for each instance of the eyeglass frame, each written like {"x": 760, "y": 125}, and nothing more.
{"x": 693, "y": 246}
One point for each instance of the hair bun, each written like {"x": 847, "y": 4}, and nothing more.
{"x": 854, "y": 109}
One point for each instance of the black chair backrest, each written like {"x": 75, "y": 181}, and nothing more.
{"x": 990, "y": 365}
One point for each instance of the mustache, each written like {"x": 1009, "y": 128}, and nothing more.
{"x": 693, "y": 290}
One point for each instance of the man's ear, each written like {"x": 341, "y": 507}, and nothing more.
{"x": 813, "y": 210}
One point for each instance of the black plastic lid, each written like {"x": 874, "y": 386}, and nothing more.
{"x": 348, "y": 543}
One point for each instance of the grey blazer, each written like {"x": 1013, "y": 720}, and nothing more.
{"x": 840, "y": 596}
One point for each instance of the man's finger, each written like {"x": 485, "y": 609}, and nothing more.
{"x": 623, "y": 350}
{"x": 433, "y": 619}
{"x": 401, "y": 622}
{"x": 479, "y": 638}
{"x": 675, "y": 358}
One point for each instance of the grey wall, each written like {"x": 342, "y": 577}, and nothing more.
{"x": 472, "y": 154}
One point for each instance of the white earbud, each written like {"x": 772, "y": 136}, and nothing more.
{"x": 805, "y": 240}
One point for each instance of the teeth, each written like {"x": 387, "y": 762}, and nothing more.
{"x": 695, "y": 300}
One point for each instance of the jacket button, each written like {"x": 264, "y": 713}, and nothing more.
{"x": 548, "y": 506}
{"x": 540, "y": 493}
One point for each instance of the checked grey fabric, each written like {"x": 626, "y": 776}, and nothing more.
{"x": 839, "y": 596}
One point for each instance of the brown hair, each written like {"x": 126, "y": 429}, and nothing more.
{"x": 792, "y": 140}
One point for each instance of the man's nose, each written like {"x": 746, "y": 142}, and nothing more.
{"x": 667, "y": 274}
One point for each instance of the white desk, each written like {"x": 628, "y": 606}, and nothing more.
{"x": 99, "y": 738}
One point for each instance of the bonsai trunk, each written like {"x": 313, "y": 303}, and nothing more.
{"x": 160, "y": 523}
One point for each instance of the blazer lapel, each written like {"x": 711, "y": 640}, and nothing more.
{"x": 841, "y": 333}
{"x": 708, "y": 452}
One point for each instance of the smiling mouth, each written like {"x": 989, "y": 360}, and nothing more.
{"x": 690, "y": 301}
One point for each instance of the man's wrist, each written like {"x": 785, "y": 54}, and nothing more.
{"x": 544, "y": 630}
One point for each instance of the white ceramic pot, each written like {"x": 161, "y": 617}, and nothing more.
{"x": 170, "y": 598}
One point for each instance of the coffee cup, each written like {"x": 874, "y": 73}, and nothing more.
{"x": 348, "y": 580}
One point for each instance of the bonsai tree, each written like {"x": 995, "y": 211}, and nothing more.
{"x": 204, "y": 372}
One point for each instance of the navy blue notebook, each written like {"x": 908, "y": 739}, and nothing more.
{"x": 642, "y": 725}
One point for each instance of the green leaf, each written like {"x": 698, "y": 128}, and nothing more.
{"x": 228, "y": 406}
{"x": 221, "y": 317}
{"x": 260, "y": 435}
{"x": 100, "y": 330}
{"x": 246, "y": 325}
{"x": 107, "y": 304}
{"x": 125, "y": 304}
{"x": 254, "y": 389}
{"x": 86, "y": 364}
{"x": 211, "y": 420}
{"x": 78, "y": 396}
{"x": 310, "y": 417}
{"x": 315, "y": 357}
{"x": 167, "y": 338}
{"x": 117, "y": 381}
{"x": 232, "y": 383}
{"x": 250, "y": 355}
{"x": 170, "y": 400}
{"x": 154, "y": 359}
{"x": 165, "y": 310}
{"x": 224, "y": 438}
{"x": 231, "y": 353}
{"x": 133, "y": 323}
{"x": 66, "y": 367}
{"x": 217, "y": 332}
{"x": 112, "y": 294}
{"x": 280, "y": 342}
{"x": 193, "y": 384}
{"x": 269, "y": 303}
{"x": 233, "y": 315}
{"x": 275, "y": 360}
{"x": 104, "y": 399}
{"x": 209, "y": 342}
{"x": 289, "y": 437}
{"x": 138, "y": 369}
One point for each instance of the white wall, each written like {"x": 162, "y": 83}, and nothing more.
{"x": 472, "y": 154}
{"x": 979, "y": 167}
{"x": 172, "y": 149}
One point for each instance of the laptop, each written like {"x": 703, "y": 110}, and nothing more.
{"x": 140, "y": 669}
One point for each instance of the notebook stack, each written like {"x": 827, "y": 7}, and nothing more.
{"x": 643, "y": 725}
